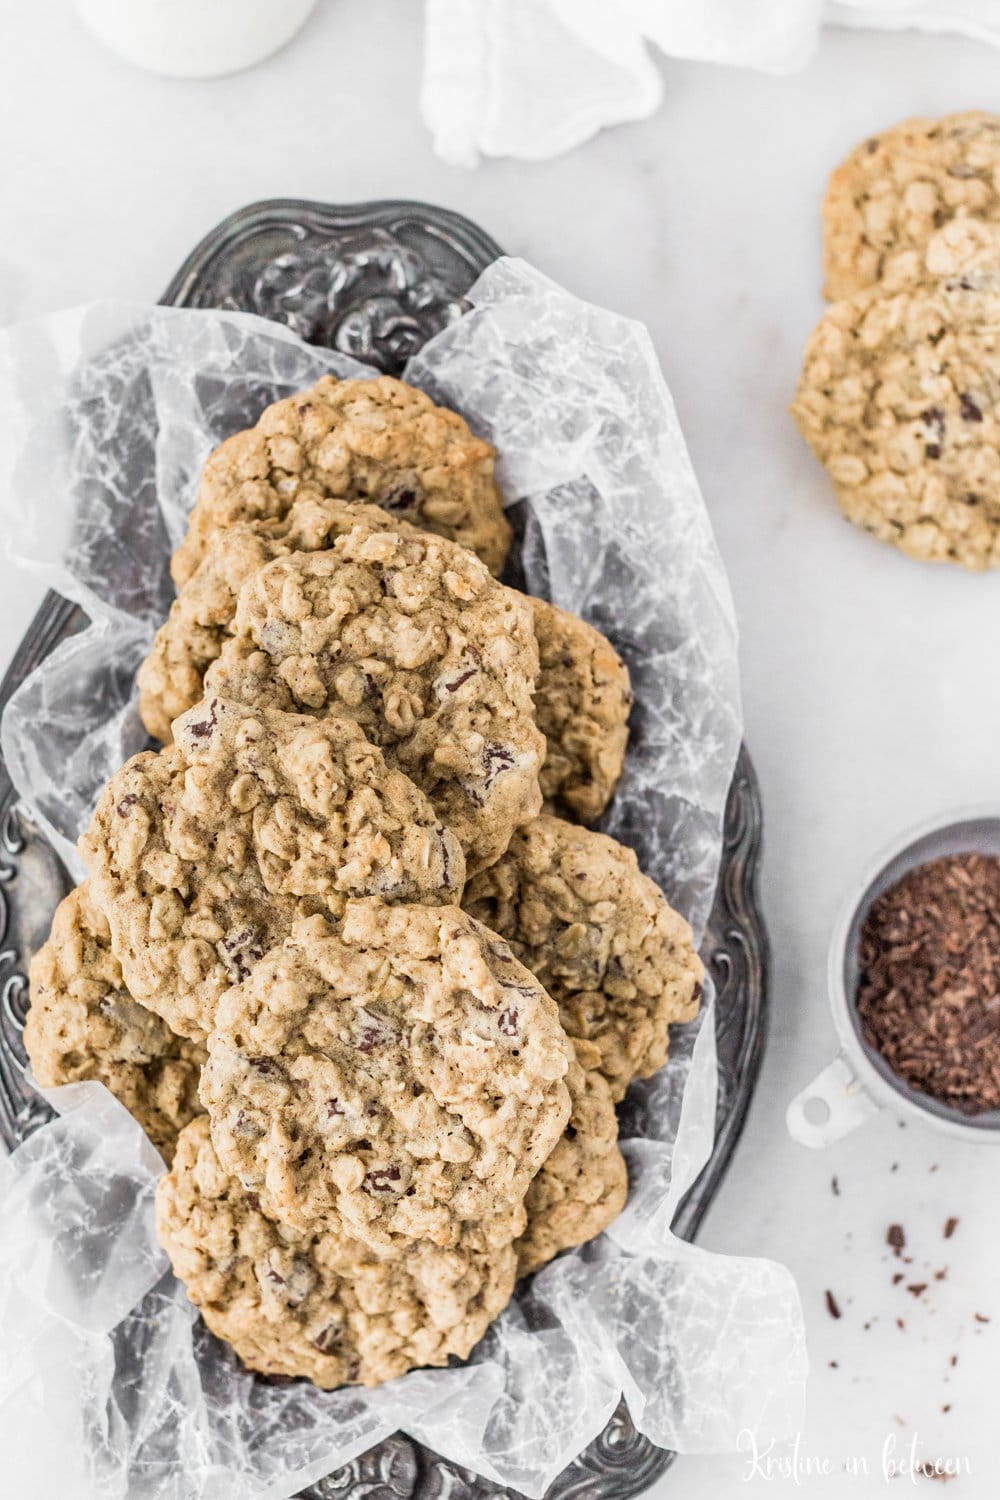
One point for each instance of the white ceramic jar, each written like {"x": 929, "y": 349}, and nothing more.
{"x": 194, "y": 38}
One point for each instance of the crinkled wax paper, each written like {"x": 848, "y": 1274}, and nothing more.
{"x": 111, "y": 1384}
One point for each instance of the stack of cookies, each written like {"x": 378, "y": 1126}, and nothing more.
{"x": 371, "y": 1001}
{"x": 900, "y": 384}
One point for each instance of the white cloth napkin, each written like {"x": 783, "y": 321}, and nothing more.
{"x": 534, "y": 78}
{"x": 979, "y": 19}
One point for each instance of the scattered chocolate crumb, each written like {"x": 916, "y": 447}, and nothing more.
{"x": 941, "y": 1275}
{"x": 894, "y": 1167}
{"x": 831, "y": 1305}
{"x": 929, "y": 1470}
{"x": 933, "y": 1167}
{"x": 930, "y": 976}
{"x": 947, "y": 1406}
{"x": 901, "y": 1324}
{"x": 835, "y": 1185}
{"x": 834, "y": 1365}
{"x": 917, "y": 1288}
{"x": 899, "y": 1276}
{"x": 981, "y": 1318}
{"x": 895, "y": 1238}
{"x": 953, "y": 1361}
{"x": 949, "y": 1227}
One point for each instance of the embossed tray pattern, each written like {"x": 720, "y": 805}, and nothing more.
{"x": 376, "y": 281}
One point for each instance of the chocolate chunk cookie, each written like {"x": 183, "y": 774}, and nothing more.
{"x": 584, "y": 1183}
{"x": 84, "y": 1024}
{"x": 315, "y": 1304}
{"x": 201, "y": 855}
{"x": 411, "y": 638}
{"x": 393, "y": 1080}
{"x": 371, "y": 440}
{"x": 582, "y": 702}
{"x": 582, "y": 696}
{"x": 598, "y": 933}
{"x": 898, "y": 398}
{"x": 202, "y": 617}
{"x": 898, "y": 188}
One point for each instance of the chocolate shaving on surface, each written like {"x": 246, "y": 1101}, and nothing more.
{"x": 832, "y": 1305}
{"x": 928, "y": 1470}
{"x": 929, "y": 988}
{"x": 895, "y": 1237}
{"x": 949, "y": 1228}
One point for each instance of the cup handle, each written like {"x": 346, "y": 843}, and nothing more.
{"x": 848, "y": 1102}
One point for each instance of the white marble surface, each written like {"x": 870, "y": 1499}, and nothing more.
{"x": 870, "y": 682}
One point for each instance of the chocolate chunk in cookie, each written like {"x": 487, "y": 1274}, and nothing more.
{"x": 600, "y": 936}
{"x": 202, "y": 855}
{"x": 392, "y": 1080}
{"x": 379, "y": 441}
{"x": 84, "y": 1024}
{"x": 310, "y": 1303}
{"x": 411, "y": 638}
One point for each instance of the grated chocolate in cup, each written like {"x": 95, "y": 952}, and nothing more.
{"x": 867, "y": 1075}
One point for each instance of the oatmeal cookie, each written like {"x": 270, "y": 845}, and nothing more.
{"x": 411, "y": 638}
{"x": 202, "y": 617}
{"x": 898, "y": 397}
{"x": 391, "y": 1080}
{"x": 598, "y": 933}
{"x": 584, "y": 1183}
{"x": 371, "y": 440}
{"x": 582, "y": 703}
{"x": 582, "y": 695}
{"x": 84, "y": 1024}
{"x": 885, "y": 202}
{"x": 201, "y": 855}
{"x": 314, "y": 1304}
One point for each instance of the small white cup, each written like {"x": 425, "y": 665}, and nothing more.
{"x": 859, "y": 1082}
{"x": 194, "y": 38}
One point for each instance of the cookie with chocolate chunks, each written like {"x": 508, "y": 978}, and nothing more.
{"x": 320, "y": 1305}
{"x": 897, "y": 189}
{"x": 392, "y": 1080}
{"x": 83, "y": 1024}
{"x": 583, "y": 1185}
{"x": 600, "y": 936}
{"x": 582, "y": 703}
{"x": 410, "y": 637}
{"x": 203, "y": 854}
{"x": 899, "y": 398}
{"x": 377, "y": 441}
{"x": 582, "y": 695}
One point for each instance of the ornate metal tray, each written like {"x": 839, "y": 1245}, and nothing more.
{"x": 376, "y": 280}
